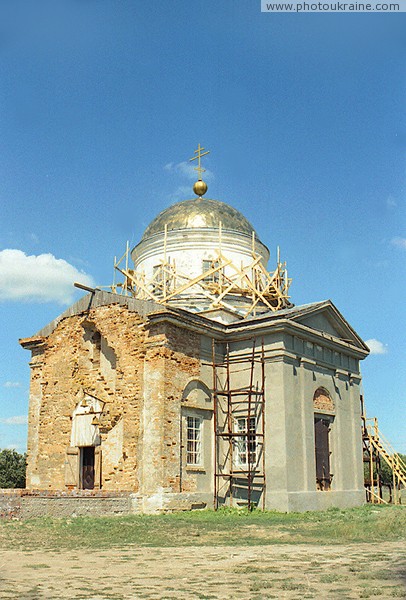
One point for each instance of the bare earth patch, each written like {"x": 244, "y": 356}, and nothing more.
{"x": 363, "y": 570}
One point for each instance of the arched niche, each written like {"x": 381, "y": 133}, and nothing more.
{"x": 196, "y": 392}
{"x": 322, "y": 401}
{"x": 92, "y": 339}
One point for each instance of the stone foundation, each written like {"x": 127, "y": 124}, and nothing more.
{"x": 10, "y": 503}
{"x": 27, "y": 504}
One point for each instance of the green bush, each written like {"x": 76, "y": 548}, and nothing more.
{"x": 12, "y": 469}
{"x": 385, "y": 472}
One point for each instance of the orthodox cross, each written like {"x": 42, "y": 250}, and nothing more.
{"x": 199, "y": 152}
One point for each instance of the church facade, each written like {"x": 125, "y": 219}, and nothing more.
{"x": 196, "y": 382}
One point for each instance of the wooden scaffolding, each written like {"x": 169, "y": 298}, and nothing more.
{"x": 239, "y": 429}
{"x": 222, "y": 284}
{"x": 376, "y": 451}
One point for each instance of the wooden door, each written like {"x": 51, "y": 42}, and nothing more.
{"x": 72, "y": 467}
{"x": 321, "y": 436}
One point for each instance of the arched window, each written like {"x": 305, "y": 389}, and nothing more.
{"x": 195, "y": 427}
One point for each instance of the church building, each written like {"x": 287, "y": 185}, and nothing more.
{"x": 196, "y": 382}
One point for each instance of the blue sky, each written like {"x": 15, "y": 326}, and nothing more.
{"x": 303, "y": 114}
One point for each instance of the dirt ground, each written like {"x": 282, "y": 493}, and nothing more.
{"x": 249, "y": 573}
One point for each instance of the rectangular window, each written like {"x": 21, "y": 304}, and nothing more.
{"x": 207, "y": 266}
{"x": 160, "y": 279}
{"x": 194, "y": 440}
{"x": 247, "y": 443}
{"x": 157, "y": 277}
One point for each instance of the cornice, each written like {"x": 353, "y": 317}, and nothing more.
{"x": 246, "y": 330}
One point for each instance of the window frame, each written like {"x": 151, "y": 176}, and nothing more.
{"x": 194, "y": 443}
{"x": 246, "y": 445}
{"x": 207, "y": 265}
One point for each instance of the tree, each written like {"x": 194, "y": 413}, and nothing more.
{"x": 12, "y": 469}
{"x": 386, "y": 471}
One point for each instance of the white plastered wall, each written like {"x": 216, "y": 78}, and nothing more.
{"x": 188, "y": 248}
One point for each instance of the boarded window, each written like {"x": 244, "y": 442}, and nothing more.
{"x": 322, "y": 443}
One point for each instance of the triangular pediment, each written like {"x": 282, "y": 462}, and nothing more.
{"x": 326, "y": 318}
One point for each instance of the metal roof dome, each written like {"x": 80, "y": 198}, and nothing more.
{"x": 199, "y": 214}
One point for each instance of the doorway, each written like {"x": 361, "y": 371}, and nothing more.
{"x": 322, "y": 446}
{"x": 87, "y": 471}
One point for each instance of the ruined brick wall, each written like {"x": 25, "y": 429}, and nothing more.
{"x": 10, "y": 503}
{"x": 141, "y": 399}
{"x": 172, "y": 360}
{"x": 62, "y": 367}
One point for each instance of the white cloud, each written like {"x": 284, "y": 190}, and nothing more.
{"x": 18, "y": 420}
{"x": 391, "y": 202}
{"x": 41, "y": 278}
{"x": 399, "y": 242}
{"x": 376, "y": 346}
{"x": 188, "y": 169}
{"x": 12, "y": 384}
{"x": 181, "y": 193}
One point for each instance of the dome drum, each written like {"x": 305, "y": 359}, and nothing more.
{"x": 205, "y": 256}
{"x": 181, "y": 241}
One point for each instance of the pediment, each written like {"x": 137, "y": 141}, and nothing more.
{"x": 326, "y": 318}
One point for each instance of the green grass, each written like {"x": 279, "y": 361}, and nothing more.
{"x": 208, "y": 528}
